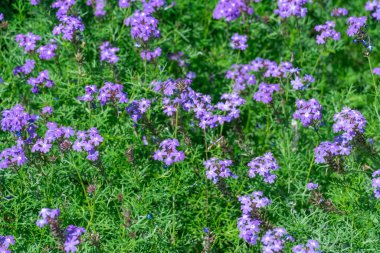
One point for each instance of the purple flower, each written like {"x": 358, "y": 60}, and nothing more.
{"x": 63, "y": 7}
{"x": 326, "y": 31}
{"x": 355, "y": 24}
{"x": 179, "y": 58}
{"x": 339, "y": 12}
{"x": 137, "y": 108}
{"x": 27, "y": 41}
{"x": 15, "y": 119}
{"x": 327, "y": 151}
{"x": 68, "y": 26}
{"x": 99, "y": 7}
{"x": 264, "y": 166}
{"x": 143, "y": 26}
{"x": 217, "y": 168}
{"x": 287, "y": 8}
{"x": 376, "y": 71}
{"x": 312, "y": 246}
{"x": 5, "y": 242}
{"x": 312, "y": 186}
{"x": 73, "y": 238}
{"x": 376, "y": 183}
{"x": 349, "y": 121}
{"x": 34, "y": 2}
{"x": 308, "y": 112}
{"x": 299, "y": 83}
{"x": 168, "y": 152}
{"x": 274, "y": 240}
{"x": 108, "y": 53}
{"x": 149, "y": 56}
{"x": 42, "y": 145}
{"x": 48, "y": 216}
{"x": 265, "y": 92}
{"x": 374, "y": 7}
{"x": 26, "y": 69}
{"x": 42, "y": 78}
{"x": 1, "y": 16}
{"x": 47, "y": 52}
{"x": 47, "y": 110}
{"x": 112, "y": 93}
{"x": 13, "y": 156}
{"x": 239, "y": 41}
{"x": 231, "y": 9}
{"x": 125, "y": 3}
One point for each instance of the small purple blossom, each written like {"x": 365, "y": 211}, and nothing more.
{"x": 312, "y": 246}
{"x": 47, "y": 110}
{"x": 312, "y": 186}
{"x": 68, "y": 26}
{"x": 374, "y": 7}
{"x": 326, "y": 31}
{"x": 327, "y": 151}
{"x": 108, "y": 53}
{"x": 13, "y": 156}
{"x": 34, "y": 2}
{"x": 349, "y": 121}
{"x": 239, "y": 41}
{"x": 376, "y": 183}
{"x": 150, "y": 56}
{"x": 137, "y": 108}
{"x": 143, "y": 26}
{"x": 302, "y": 83}
{"x": 264, "y": 166}
{"x": 308, "y": 112}
{"x": 376, "y": 71}
{"x": 63, "y": 7}
{"x": 355, "y": 24}
{"x": 27, "y": 41}
{"x": 73, "y": 236}
{"x": 287, "y": 8}
{"x": 339, "y": 12}
{"x": 1, "y": 16}
{"x": 274, "y": 240}
{"x": 26, "y": 69}
{"x": 231, "y": 9}
{"x": 168, "y": 152}
{"x": 99, "y": 7}
{"x": 125, "y": 3}
{"x": 40, "y": 80}
{"x": 217, "y": 168}
{"x": 47, "y": 52}
{"x": 15, "y": 119}
{"x": 265, "y": 92}
{"x": 5, "y": 242}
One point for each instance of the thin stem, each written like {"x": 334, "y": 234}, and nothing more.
{"x": 373, "y": 76}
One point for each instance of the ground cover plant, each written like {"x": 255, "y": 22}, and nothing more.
{"x": 189, "y": 126}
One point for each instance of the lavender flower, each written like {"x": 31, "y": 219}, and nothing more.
{"x": 179, "y": 58}
{"x": 216, "y": 168}
{"x": 40, "y": 80}
{"x": 47, "y": 110}
{"x": 73, "y": 238}
{"x": 137, "y": 108}
{"x": 355, "y": 24}
{"x": 15, "y": 119}
{"x": 168, "y": 152}
{"x": 108, "y": 53}
{"x": 1, "y": 16}
{"x": 264, "y": 166}
{"x": 68, "y": 26}
{"x": 13, "y": 156}
{"x": 48, "y": 217}
{"x": 26, "y": 69}
{"x": 265, "y": 92}
{"x": 47, "y": 52}
{"x": 339, "y": 12}
{"x": 326, "y": 31}
{"x": 34, "y": 2}
{"x": 63, "y": 7}
{"x": 125, "y": 3}
{"x": 112, "y": 93}
{"x": 376, "y": 71}
{"x": 5, "y": 242}
{"x": 231, "y": 9}
{"x": 27, "y": 41}
{"x": 302, "y": 83}
{"x": 143, "y": 26}
{"x": 149, "y": 56}
{"x": 376, "y": 183}
{"x": 327, "y": 151}
{"x": 312, "y": 186}
{"x": 374, "y": 7}
{"x": 312, "y": 246}
{"x": 309, "y": 112}
{"x": 239, "y": 41}
{"x": 99, "y": 6}
{"x": 274, "y": 240}
{"x": 287, "y": 8}
{"x": 349, "y": 121}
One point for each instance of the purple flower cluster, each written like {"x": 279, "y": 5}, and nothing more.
{"x": 40, "y": 80}
{"x": 274, "y": 240}
{"x": 312, "y": 186}
{"x": 376, "y": 71}
{"x": 217, "y": 168}
{"x": 265, "y": 92}
{"x": 125, "y": 3}
{"x": 287, "y": 8}
{"x": 312, "y": 246}
{"x": 13, "y": 156}
{"x": 143, "y": 26}
{"x": 47, "y": 52}
{"x": 99, "y": 7}
{"x": 355, "y": 24}
{"x": 5, "y": 242}
{"x": 108, "y": 93}
{"x": 376, "y": 183}
{"x": 179, "y": 58}
{"x": 108, "y": 53}
{"x": 1, "y": 16}
{"x": 63, "y": 7}
{"x": 326, "y": 31}
{"x": 73, "y": 238}
{"x": 326, "y": 151}
{"x": 150, "y": 56}
{"x": 349, "y": 121}
{"x": 27, "y": 41}
{"x": 308, "y": 112}
{"x": 248, "y": 225}
{"x": 264, "y": 166}
{"x": 239, "y": 41}
{"x": 302, "y": 83}
{"x": 47, "y": 110}
{"x": 374, "y": 7}
{"x": 168, "y": 152}
{"x": 26, "y": 69}
{"x": 34, "y": 2}
{"x": 68, "y": 26}
{"x": 231, "y": 9}
{"x": 137, "y": 108}
{"x": 339, "y": 12}
{"x": 15, "y": 119}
